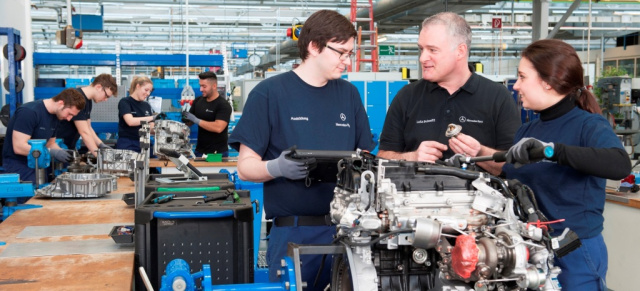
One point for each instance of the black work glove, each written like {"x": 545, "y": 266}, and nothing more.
{"x": 518, "y": 154}
{"x": 288, "y": 168}
{"x": 160, "y": 116}
{"x": 104, "y": 146}
{"x": 61, "y": 155}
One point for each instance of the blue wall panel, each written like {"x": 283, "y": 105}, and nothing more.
{"x": 394, "y": 87}
{"x": 360, "y": 86}
{"x": 177, "y": 60}
{"x": 377, "y": 93}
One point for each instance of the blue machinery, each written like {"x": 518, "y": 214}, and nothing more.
{"x": 178, "y": 278}
{"x": 15, "y": 96}
{"x": 10, "y": 186}
{"x": 10, "y": 189}
{"x": 39, "y": 159}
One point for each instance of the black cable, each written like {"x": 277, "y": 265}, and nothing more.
{"x": 324, "y": 257}
{"x": 503, "y": 186}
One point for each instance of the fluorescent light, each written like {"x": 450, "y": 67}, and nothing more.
{"x": 626, "y": 13}
{"x": 574, "y": 12}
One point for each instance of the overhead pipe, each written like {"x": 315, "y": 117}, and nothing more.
{"x": 387, "y": 8}
{"x": 68, "y": 12}
{"x": 563, "y": 19}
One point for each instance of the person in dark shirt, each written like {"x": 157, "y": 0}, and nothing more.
{"x": 571, "y": 184}
{"x": 211, "y": 112}
{"x": 102, "y": 88}
{"x": 415, "y": 125}
{"x": 132, "y": 111}
{"x": 38, "y": 120}
{"x": 313, "y": 108}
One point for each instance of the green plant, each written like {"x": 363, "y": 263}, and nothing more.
{"x": 608, "y": 71}
{"x": 611, "y": 71}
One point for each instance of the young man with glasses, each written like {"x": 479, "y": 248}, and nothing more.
{"x": 102, "y": 88}
{"x": 311, "y": 108}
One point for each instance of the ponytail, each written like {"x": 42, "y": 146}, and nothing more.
{"x": 587, "y": 101}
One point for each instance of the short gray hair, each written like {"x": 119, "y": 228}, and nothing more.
{"x": 456, "y": 26}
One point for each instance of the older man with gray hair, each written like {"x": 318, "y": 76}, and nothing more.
{"x": 450, "y": 92}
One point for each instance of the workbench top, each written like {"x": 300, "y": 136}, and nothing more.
{"x": 624, "y": 198}
{"x": 65, "y": 245}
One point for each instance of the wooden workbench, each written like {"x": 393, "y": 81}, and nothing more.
{"x": 106, "y": 270}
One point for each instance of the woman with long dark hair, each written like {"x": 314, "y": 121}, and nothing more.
{"x": 571, "y": 184}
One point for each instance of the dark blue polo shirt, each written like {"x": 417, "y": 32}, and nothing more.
{"x": 136, "y": 108}
{"x": 32, "y": 119}
{"x": 283, "y": 111}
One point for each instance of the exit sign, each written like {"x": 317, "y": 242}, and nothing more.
{"x": 387, "y": 50}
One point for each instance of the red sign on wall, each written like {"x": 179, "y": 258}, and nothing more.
{"x": 496, "y": 23}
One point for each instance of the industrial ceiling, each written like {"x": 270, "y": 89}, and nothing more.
{"x": 259, "y": 26}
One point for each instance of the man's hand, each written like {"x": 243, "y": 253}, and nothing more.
{"x": 465, "y": 145}
{"x": 283, "y": 167}
{"x": 104, "y": 146}
{"x": 430, "y": 151}
{"x": 518, "y": 154}
{"x": 191, "y": 117}
{"x": 61, "y": 155}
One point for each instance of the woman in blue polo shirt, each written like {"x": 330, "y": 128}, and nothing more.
{"x": 571, "y": 184}
{"x": 132, "y": 111}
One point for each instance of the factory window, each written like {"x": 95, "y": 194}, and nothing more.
{"x": 607, "y": 64}
{"x": 628, "y": 65}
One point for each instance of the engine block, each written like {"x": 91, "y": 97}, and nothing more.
{"x": 172, "y": 135}
{"x": 464, "y": 225}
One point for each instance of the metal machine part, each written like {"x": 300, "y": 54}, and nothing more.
{"x": 172, "y": 135}
{"x": 78, "y": 185}
{"x": 116, "y": 162}
{"x": 191, "y": 173}
{"x": 139, "y": 164}
{"x": 402, "y": 223}
{"x": 453, "y": 130}
{"x": 81, "y": 164}
{"x": 39, "y": 159}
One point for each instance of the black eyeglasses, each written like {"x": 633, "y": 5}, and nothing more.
{"x": 105, "y": 93}
{"x": 343, "y": 55}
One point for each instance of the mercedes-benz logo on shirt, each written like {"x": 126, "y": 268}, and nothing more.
{"x": 463, "y": 119}
{"x": 343, "y": 117}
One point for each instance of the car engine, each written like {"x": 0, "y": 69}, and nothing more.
{"x": 421, "y": 226}
{"x": 172, "y": 135}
